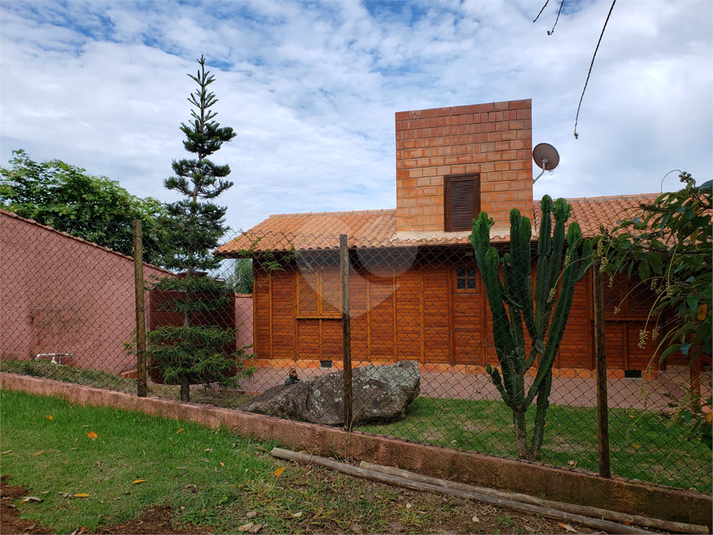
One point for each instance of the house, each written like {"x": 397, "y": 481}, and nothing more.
{"x": 415, "y": 291}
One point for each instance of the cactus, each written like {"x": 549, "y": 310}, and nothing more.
{"x": 528, "y": 328}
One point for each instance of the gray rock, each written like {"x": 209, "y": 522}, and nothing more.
{"x": 380, "y": 395}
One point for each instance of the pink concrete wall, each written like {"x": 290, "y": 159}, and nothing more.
{"x": 244, "y": 320}
{"x": 60, "y": 294}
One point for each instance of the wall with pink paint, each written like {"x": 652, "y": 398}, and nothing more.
{"x": 60, "y": 294}
{"x": 244, "y": 320}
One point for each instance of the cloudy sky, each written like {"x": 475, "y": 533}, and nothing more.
{"x": 311, "y": 89}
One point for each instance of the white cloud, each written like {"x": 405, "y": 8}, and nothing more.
{"x": 311, "y": 90}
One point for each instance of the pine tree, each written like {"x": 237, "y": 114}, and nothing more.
{"x": 198, "y": 351}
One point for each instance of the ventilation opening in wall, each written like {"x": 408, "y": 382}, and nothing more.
{"x": 325, "y": 363}
{"x": 632, "y": 374}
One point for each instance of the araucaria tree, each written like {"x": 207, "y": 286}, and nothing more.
{"x": 197, "y": 351}
{"x": 528, "y": 328}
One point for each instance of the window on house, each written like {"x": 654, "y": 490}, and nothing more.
{"x": 319, "y": 294}
{"x": 462, "y": 201}
{"x": 465, "y": 278}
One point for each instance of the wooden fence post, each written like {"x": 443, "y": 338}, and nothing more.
{"x": 141, "y": 380}
{"x": 346, "y": 330}
{"x": 600, "y": 355}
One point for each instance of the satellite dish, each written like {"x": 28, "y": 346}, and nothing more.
{"x": 546, "y": 158}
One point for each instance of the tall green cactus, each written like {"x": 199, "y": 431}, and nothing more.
{"x": 512, "y": 304}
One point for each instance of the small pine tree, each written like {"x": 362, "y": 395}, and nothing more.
{"x": 198, "y": 351}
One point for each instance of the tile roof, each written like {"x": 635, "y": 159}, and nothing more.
{"x": 377, "y": 228}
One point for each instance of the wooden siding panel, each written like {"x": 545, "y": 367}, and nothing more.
{"x": 436, "y": 314}
{"x": 615, "y": 343}
{"x": 284, "y": 296}
{"x": 359, "y": 301}
{"x": 261, "y": 329}
{"x": 576, "y": 347}
{"x": 382, "y": 311}
{"x": 470, "y": 339}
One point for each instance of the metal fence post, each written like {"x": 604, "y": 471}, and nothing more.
{"x": 346, "y": 330}
{"x": 600, "y": 356}
{"x": 142, "y": 381}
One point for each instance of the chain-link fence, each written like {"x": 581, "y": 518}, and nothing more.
{"x": 419, "y": 332}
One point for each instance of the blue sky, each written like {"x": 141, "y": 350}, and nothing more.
{"x": 311, "y": 89}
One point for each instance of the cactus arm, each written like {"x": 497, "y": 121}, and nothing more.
{"x": 498, "y": 382}
{"x": 543, "y": 403}
{"x": 562, "y": 309}
{"x": 488, "y": 262}
{"x": 520, "y": 235}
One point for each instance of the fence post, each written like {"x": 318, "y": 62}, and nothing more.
{"x": 140, "y": 311}
{"x": 600, "y": 356}
{"x": 346, "y": 330}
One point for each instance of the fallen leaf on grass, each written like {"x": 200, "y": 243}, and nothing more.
{"x": 137, "y": 481}
{"x": 635, "y": 446}
{"x": 191, "y": 487}
{"x": 251, "y": 514}
{"x": 81, "y": 495}
{"x": 567, "y": 527}
{"x": 8, "y": 451}
{"x": 297, "y": 515}
{"x": 49, "y": 417}
{"x": 222, "y": 464}
{"x": 31, "y": 499}
{"x": 475, "y": 519}
{"x": 279, "y": 470}
{"x": 250, "y": 528}
{"x": 181, "y": 430}
{"x": 39, "y": 453}
{"x": 92, "y": 435}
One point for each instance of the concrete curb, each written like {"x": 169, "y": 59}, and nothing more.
{"x": 466, "y": 467}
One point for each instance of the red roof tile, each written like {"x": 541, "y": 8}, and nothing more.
{"x": 377, "y": 228}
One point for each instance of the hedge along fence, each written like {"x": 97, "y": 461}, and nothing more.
{"x": 423, "y": 303}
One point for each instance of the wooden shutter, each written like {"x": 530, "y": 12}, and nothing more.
{"x": 462, "y": 201}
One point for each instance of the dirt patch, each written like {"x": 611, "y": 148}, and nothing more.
{"x": 10, "y": 521}
{"x": 155, "y": 520}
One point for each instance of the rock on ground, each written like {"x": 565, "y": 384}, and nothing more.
{"x": 380, "y": 395}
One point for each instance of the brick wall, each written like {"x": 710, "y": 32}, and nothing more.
{"x": 493, "y": 139}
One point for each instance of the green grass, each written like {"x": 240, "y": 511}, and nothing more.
{"x": 212, "y": 395}
{"x": 208, "y": 478}
{"x": 643, "y": 444}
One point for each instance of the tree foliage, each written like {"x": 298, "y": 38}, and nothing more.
{"x": 198, "y": 351}
{"x": 668, "y": 244}
{"x": 527, "y": 328}
{"x": 66, "y": 198}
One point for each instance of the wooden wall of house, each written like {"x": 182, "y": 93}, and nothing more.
{"x": 420, "y": 313}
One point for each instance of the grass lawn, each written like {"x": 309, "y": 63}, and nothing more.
{"x": 643, "y": 446}
{"x": 95, "y": 467}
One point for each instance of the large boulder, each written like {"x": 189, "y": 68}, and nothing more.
{"x": 380, "y": 395}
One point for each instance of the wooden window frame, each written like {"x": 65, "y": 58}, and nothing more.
{"x": 450, "y": 226}
{"x": 321, "y": 313}
{"x": 466, "y": 277}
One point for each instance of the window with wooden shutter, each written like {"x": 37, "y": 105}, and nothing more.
{"x": 462, "y": 201}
